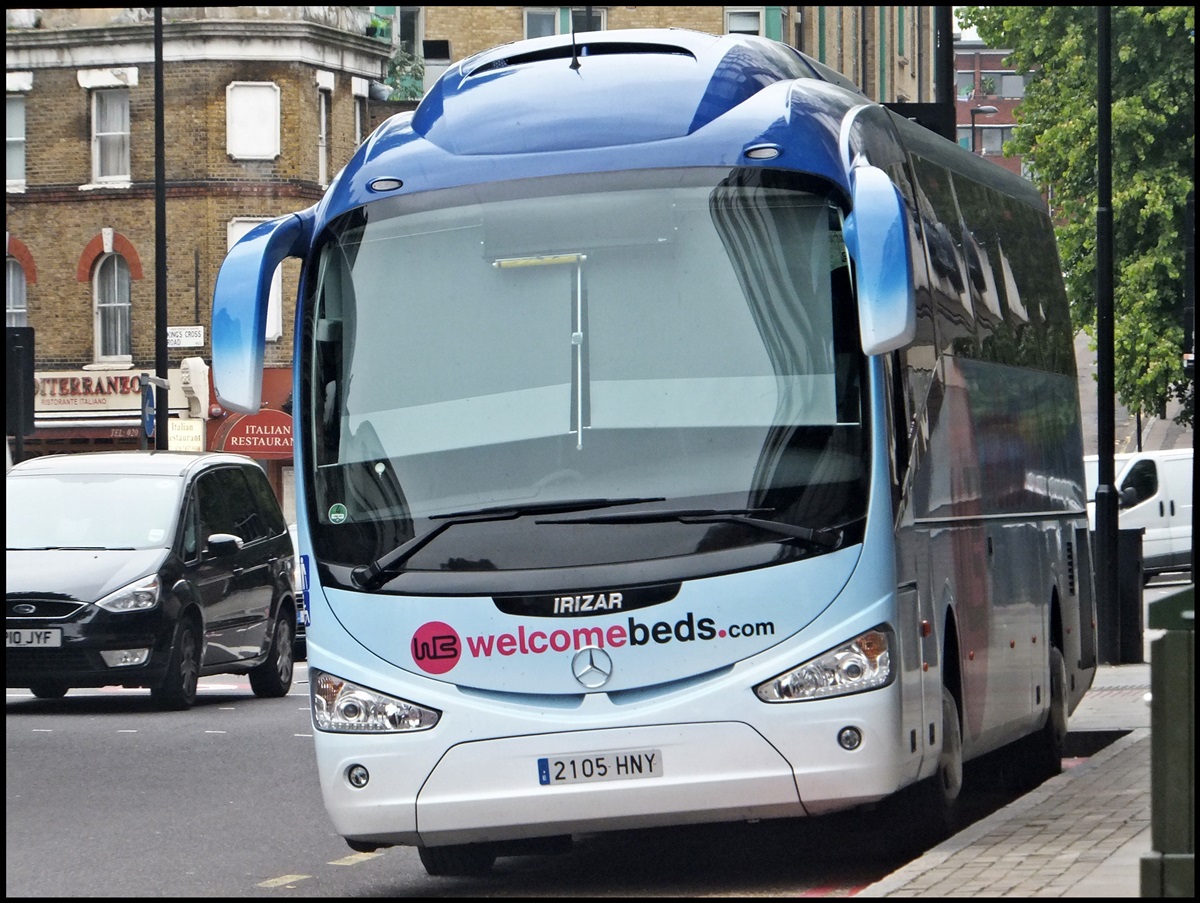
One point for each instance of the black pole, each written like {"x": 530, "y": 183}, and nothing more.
{"x": 19, "y": 436}
{"x": 1106, "y": 499}
{"x": 943, "y": 55}
{"x": 161, "y": 399}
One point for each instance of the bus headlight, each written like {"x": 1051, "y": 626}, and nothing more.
{"x": 863, "y": 663}
{"x": 340, "y": 706}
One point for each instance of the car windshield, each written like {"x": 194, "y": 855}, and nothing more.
{"x": 90, "y": 511}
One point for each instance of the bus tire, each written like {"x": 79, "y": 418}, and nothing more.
{"x": 1047, "y": 746}
{"x": 462, "y": 860}
{"x": 937, "y": 795}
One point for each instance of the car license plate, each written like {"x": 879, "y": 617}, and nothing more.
{"x": 46, "y": 637}
{"x": 609, "y": 766}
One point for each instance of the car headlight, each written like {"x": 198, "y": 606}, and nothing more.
{"x": 863, "y": 663}
{"x": 340, "y": 706}
{"x": 141, "y": 595}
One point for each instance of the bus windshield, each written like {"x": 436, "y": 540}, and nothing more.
{"x": 682, "y": 341}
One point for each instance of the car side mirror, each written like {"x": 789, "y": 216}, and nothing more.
{"x": 222, "y": 545}
{"x": 1128, "y": 497}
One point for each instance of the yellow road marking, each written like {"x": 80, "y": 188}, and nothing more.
{"x": 280, "y": 882}
{"x": 355, "y": 858}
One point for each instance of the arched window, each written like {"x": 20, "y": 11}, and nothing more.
{"x": 113, "y": 298}
{"x": 15, "y": 311}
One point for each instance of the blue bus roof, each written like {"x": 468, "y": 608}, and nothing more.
{"x": 623, "y": 99}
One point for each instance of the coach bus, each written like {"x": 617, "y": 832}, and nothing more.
{"x": 681, "y": 437}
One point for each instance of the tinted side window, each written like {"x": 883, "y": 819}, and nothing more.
{"x": 268, "y": 505}
{"x": 1143, "y": 479}
{"x": 228, "y": 506}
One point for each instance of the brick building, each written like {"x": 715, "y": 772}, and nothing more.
{"x": 261, "y": 106}
{"x": 987, "y": 94}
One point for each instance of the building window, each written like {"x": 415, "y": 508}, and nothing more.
{"x": 545, "y": 21}
{"x": 15, "y": 142}
{"x": 965, "y": 84}
{"x": 110, "y": 135}
{"x": 114, "y": 304}
{"x": 410, "y": 30}
{"x": 235, "y": 230}
{"x": 580, "y": 21}
{"x": 252, "y": 120}
{"x": 743, "y": 21}
{"x": 15, "y": 312}
{"x": 541, "y": 23}
{"x": 325, "y": 82}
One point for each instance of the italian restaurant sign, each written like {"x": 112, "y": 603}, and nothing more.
{"x": 266, "y": 435}
{"x": 97, "y": 392}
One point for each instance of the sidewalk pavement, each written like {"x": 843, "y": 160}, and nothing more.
{"x": 1080, "y": 834}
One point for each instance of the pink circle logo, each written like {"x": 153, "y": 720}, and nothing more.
{"x": 436, "y": 647}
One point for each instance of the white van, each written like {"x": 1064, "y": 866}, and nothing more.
{"x": 1154, "y": 489}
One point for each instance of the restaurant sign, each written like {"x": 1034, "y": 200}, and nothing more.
{"x": 266, "y": 435}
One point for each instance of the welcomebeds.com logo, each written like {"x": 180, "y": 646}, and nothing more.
{"x": 437, "y": 647}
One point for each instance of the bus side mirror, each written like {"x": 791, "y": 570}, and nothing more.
{"x": 876, "y": 235}
{"x": 239, "y": 310}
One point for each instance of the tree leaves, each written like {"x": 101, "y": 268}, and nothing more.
{"x": 1153, "y": 152}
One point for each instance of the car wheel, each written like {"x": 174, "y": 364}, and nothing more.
{"x": 274, "y": 676}
{"x": 49, "y": 690}
{"x": 464, "y": 860}
{"x": 178, "y": 689}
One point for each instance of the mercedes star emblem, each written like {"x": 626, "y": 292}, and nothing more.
{"x": 592, "y": 667}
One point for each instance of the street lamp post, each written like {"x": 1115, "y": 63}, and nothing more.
{"x": 979, "y": 111}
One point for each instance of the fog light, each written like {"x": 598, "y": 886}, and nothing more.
{"x": 849, "y": 738}
{"x": 123, "y": 658}
{"x": 358, "y": 776}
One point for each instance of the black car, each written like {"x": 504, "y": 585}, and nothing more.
{"x": 146, "y": 569}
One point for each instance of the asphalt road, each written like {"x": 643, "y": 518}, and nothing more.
{"x": 105, "y": 796}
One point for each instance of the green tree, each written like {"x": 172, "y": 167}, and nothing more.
{"x": 405, "y": 76}
{"x": 1153, "y": 154}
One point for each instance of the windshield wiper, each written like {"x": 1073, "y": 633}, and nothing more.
{"x": 374, "y": 575}
{"x": 825, "y": 537}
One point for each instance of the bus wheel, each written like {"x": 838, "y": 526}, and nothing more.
{"x": 1047, "y": 746}
{"x": 937, "y": 795}
{"x": 465, "y": 860}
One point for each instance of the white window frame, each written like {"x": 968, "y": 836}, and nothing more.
{"x": 17, "y": 84}
{"x": 16, "y": 307}
{"x": 109, "y": 141}
{"x": 325, "y": 83}
{"x": 110, "y": 79}
{"x": 14, "y": 142}
{"x": 359, "y": 88}
{"x": 733, "y": 12}
{"x": 252, "y": 120}
{"x": 234, "y": 230}
{"x": 116, "y": 298}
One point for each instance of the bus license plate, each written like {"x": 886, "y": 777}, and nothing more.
{"x": 610, "y": 766}
{"x": 45, "y": 637}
